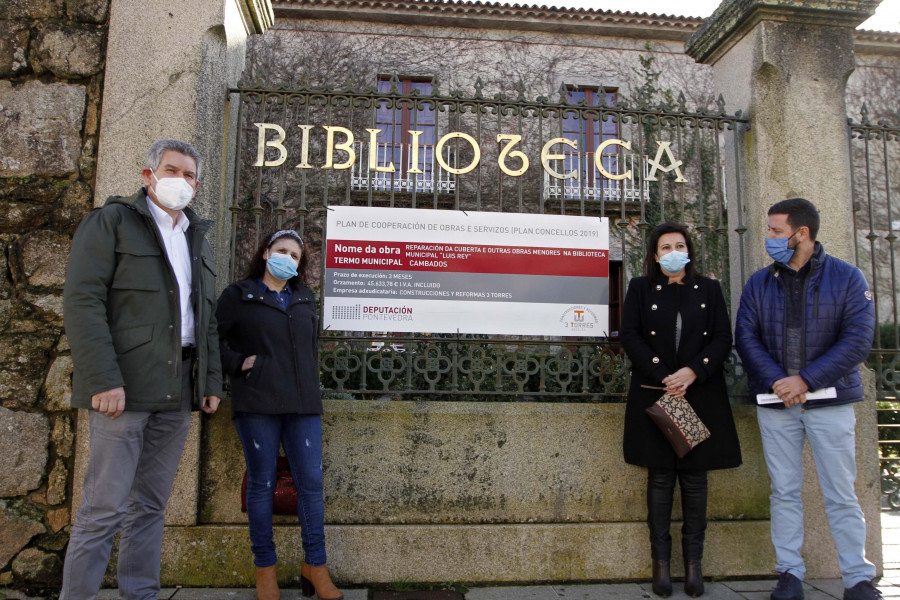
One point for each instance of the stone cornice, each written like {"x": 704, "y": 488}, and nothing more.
{"x": 734, "y": 18}
{"x": 258, "y": 14}
{"x": 492, "y": 15}
{"x": 878, "y": 42}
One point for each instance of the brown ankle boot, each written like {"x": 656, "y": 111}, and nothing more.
{"x": 316, "y": 579}
{"x": 267, "y": 584}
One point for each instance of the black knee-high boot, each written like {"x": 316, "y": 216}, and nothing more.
{"x": 693, "y": 529}
{"x": 660, "y": 486}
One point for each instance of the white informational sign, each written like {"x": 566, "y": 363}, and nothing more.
{"x": 443, "y": 271}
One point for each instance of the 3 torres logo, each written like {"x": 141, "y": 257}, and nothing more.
{"x": 579, "y": 318}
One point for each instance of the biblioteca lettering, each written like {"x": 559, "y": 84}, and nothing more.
{"x": 550, "y": 152}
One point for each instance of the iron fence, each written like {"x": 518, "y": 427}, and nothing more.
{"x": 875, "y": 156}
{"x": 287, "y": 148}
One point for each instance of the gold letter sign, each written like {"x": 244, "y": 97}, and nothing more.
{"x": 346, "y": 147}
{"x": 501, "y": 160}
{"x": 546, "y": 157}
{"x": 507, "y": 142}
{"x": 443, "y": 163}
{"x": 674, "y": 164}
{"x": 262, "y": 143}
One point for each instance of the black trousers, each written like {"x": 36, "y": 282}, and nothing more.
{"x": 660, "y": 491}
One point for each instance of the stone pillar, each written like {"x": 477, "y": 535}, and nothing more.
{"x": 785, "y": 64}
{"x": 168, "y": 68}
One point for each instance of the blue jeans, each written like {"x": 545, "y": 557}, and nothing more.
{"x": 832, "y": 436}
{"x": 301, "y": 437}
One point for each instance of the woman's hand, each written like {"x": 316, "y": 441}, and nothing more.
{"x": 677, "y": 383}
{"x": 248, "y": 364}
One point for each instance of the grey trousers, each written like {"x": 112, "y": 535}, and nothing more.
{"x": 127, "y": 484}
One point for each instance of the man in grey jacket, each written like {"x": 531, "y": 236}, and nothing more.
{"x": 139, "y": 314}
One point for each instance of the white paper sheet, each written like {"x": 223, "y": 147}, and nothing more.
{"x": 822, "y": 394}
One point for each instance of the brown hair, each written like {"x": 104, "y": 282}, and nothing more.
{"x": 651, "y": 267}
{"x": 257, "y": 267}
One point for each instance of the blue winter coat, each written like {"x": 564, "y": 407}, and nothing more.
{"x": 837, "y": 334}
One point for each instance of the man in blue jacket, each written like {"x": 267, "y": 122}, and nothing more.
{"x": 805, "y": 323}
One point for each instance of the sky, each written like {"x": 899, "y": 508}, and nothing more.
{"x": 886, "y": 18}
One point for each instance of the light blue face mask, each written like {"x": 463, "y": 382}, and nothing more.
{"x": 778, "y": 249}
{"x": 281, "y": 266}
{"x": 674, "y": 262}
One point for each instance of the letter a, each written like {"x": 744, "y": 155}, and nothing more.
{"x": 675, "y": 164}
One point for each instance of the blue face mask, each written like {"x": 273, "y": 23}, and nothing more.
{"x": 778, "y": 249}
{"x": 674, "y": 262}
{"x": 282, "y": 266}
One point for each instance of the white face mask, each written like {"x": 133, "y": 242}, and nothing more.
{"x": 173, "y": 192}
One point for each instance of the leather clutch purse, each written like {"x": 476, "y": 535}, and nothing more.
{"x": 678, "y": 422}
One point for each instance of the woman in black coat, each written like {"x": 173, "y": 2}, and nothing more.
{"x": 676, "y": 332}
{"x": 268, "y": 336}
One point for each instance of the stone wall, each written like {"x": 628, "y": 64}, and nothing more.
{"x": 496, "y": 492}
{"x": 52, "y": 55}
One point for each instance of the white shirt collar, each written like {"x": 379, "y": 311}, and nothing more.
{"x": 164, "y": 221}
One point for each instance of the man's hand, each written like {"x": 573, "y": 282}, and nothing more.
{"x": 210, "y": 404}
{"x": 248, "y": 364}
{"x": 677, "y": 383}
{"x": 110, "y": 403}
{"x": 792, "y": 390}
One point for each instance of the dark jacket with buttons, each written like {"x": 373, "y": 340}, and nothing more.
{"x": 648, "y": 336}
{"x": 285, "y": 377}
{"x": 122, "y": 311}
{"x": 837, "y": 332}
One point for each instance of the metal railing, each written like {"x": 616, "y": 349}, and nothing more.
{"x": 589, "y": 183}
{"x": 431, "y": 178}
{"x": 297, "y": 191}
{"x": 875, "y": 157}
{"x": 889, "y": 454}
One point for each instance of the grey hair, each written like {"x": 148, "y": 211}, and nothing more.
{"x": 154, "y": 156}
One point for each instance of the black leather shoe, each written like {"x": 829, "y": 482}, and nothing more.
{"x": 662, "y": 582}
{"x": 693, "y": 578}
{"x": 864, "y": 590}
{"x": 788, "y": 588}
